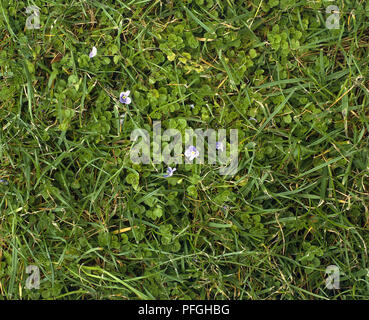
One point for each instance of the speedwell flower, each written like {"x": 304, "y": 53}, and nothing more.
{"x": 123, "y": 97}
{"x": 219, "y": 146}
{"x": 93, "y": 52}
{"x": 170, "y": 172}
{"x": 3, "y": 181}
{"x": 191, "y": 153}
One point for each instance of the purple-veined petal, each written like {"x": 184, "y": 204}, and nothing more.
{"x": 123, "y": 97}
{"x": 128, "y": 100}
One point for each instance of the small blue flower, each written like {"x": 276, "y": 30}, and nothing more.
{"x": 5, "y": 182}
{"x": 219, "y": 146}
{"x": 93, "y": 52}
{"x": 123, "y": 97}
{"x": 224, "y": 208}
{"x": 191, "y": 153}
{"x": 170, "y": 172}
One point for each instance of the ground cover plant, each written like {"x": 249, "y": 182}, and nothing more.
{"x": 98, "y": 226}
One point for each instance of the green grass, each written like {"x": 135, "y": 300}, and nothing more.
{"x": 100, "y": 227}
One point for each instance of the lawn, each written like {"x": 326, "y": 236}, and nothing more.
{"x": 78, "y": 77}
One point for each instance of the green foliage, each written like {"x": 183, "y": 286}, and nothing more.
{"x": 100, "y": 227}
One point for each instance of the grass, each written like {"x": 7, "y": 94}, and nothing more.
{"x": 100, "y": 227}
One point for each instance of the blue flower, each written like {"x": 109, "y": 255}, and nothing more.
{"x": 224, "y": 208}
{"x": 219, "y": 146}
{"x": 123, "y": 97}
{"x": 5, "y": 182}
{"x": 170, "y": 172}
{"x": 93, "y": 52}
{"x": 191, "y": 153}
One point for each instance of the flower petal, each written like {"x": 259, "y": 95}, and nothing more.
{"x": 192, "y": 153}
{"x": 219, "y": 146}
{"x": 122, "y": 97}
{"x": 128, "y": 100}
{"x": 93, "y": 52}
